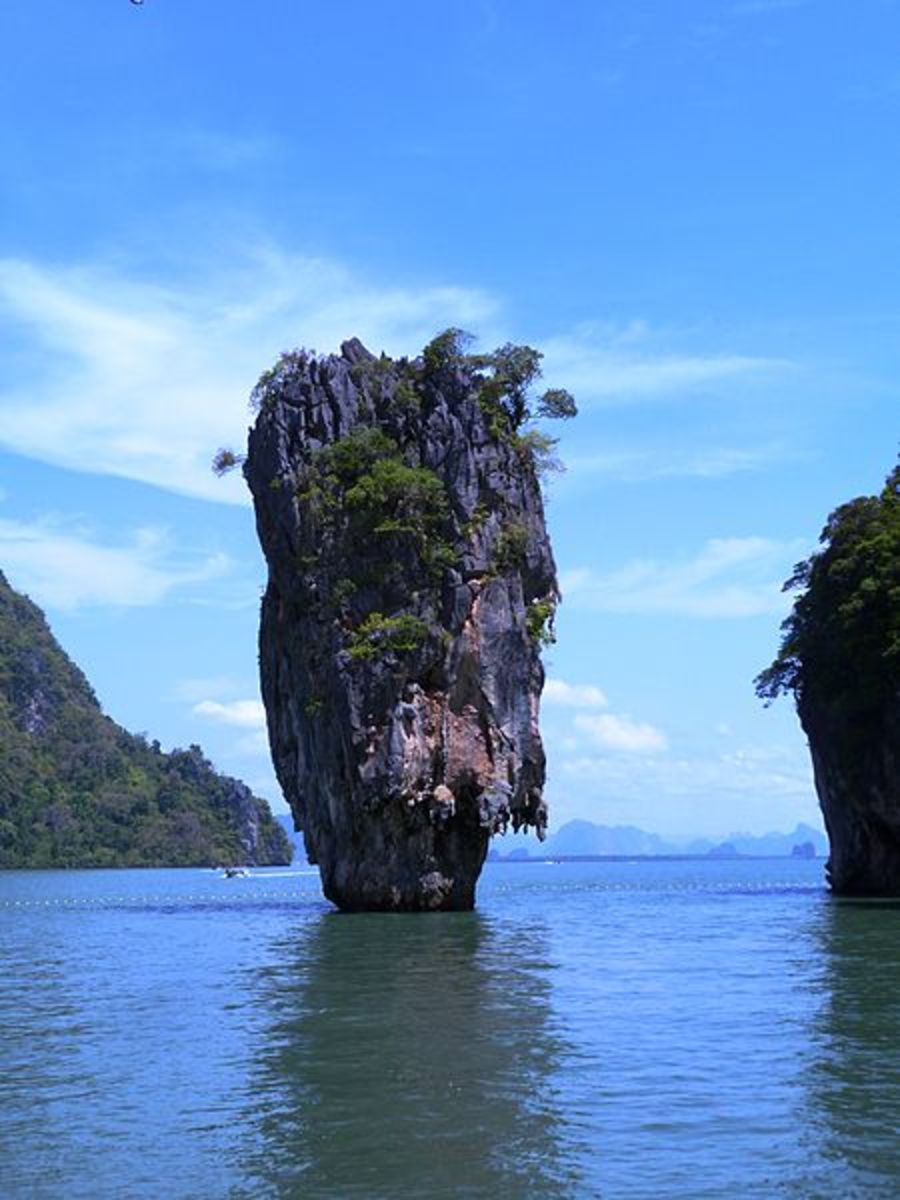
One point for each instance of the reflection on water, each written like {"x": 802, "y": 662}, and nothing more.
{"x": 692, "y": 1030}
{"x": 855, "y": 1081}
{"x": 407, "y": 1056}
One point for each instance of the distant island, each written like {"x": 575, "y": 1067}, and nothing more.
{"x": 77, "y": 790}
{"x": 584, "y": 839}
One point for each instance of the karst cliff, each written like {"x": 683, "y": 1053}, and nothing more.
{"x": 840, "y": 656}
{"x": 411, "y": 587}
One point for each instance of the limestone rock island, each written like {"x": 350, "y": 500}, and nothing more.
{"x": 840, "y": 656}
{"x": 411, "y": 587}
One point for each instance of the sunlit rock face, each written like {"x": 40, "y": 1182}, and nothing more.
{"x": 411, "y": 582}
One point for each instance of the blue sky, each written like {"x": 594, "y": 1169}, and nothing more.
{"x": 691, "y": 208}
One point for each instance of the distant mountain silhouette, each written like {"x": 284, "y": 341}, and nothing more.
{"x": 579, "y": 837}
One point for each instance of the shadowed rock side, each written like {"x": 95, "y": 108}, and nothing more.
{"x": 840, "y": 656}
{"x": 858, "y": 784}
{"x": 411, "y": 583}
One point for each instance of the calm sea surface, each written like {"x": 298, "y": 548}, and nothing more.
{"x": 658, "y": 1029}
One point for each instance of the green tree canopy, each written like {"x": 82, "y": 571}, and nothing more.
{"x": 841, "y": 642}
{"x": 511, "y": 372}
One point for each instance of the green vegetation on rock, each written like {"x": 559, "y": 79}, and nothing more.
{"x": 77, "y": 790}
{"x": 539, "y": 449}
{"x": 511, "y": 547}
{"x": 841, "y": 642}
{"x": 378, "y": 635}
{"x": 539, "y": 622}
{"x": 381, "y": 538}
{"x": 504, "y": 379}
{"x": 363, "y": 492}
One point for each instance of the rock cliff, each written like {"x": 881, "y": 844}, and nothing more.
{"x": 840, "y": 656}
{"x": 411, "y": 586}
{"x": 77, "y": 790}
{"x": 857, "y": 775}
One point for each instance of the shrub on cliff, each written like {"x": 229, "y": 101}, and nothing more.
{"x": 363, "y": 491}
{"x": 841, "y": 642}
{"x": 504, "y": 378}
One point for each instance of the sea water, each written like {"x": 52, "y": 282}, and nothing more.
{"x": 658, "y": 1029}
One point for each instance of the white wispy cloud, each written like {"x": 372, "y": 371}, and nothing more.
{"x": 759, "y": 774}
{"x": 62, "y": 566}
{"x": 620, "y": 733}
{"x": 573, "y": 695}
{"x": 211, "y": 687}
{"x": 133, "y": 378}
{"x": 247, "y": 714}
{"x": 640, "y": 466}
{"x": 612, "y": 731}
{"x": 728, "y": 577}
{"x": 611, "y": 366}
{"x": 145, "y": 379}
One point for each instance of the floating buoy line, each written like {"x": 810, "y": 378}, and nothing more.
{"x": 162, "y": 900}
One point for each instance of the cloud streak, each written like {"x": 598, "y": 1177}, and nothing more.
{"x": 134, "y": 379}
{"x": 727, "y": 578}
{"x": 752, "y": 774}
{"x": 573, "y": 695}
{"x": 642, "y": 466}
{"x": 63, "y": 567}
{"x": 245, "y": 714}
{"x": 621, "y": 734}
{"x": 609, "y": 366}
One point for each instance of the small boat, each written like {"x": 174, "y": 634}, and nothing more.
{"x": 236, "y": 873}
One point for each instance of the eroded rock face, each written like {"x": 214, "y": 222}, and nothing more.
{"x": 857, "y": 775}
{"x": 410, "y": 583}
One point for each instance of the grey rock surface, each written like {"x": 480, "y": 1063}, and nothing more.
{"x": 857, "y": 776}
{"x": 399, "y": 659}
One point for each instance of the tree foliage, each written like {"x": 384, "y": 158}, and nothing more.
{"x": 364, "y": 494}
{"x": 558, "y": 404}
{"x": 841, "y": 643}
{"x": 379, "y": 635}
{"x": 505, "y": 378}
{"x": 445, "y": 352}
{"x": 225, "y": 459}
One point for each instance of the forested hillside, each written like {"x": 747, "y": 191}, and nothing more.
{"x": 77, "y": 790}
